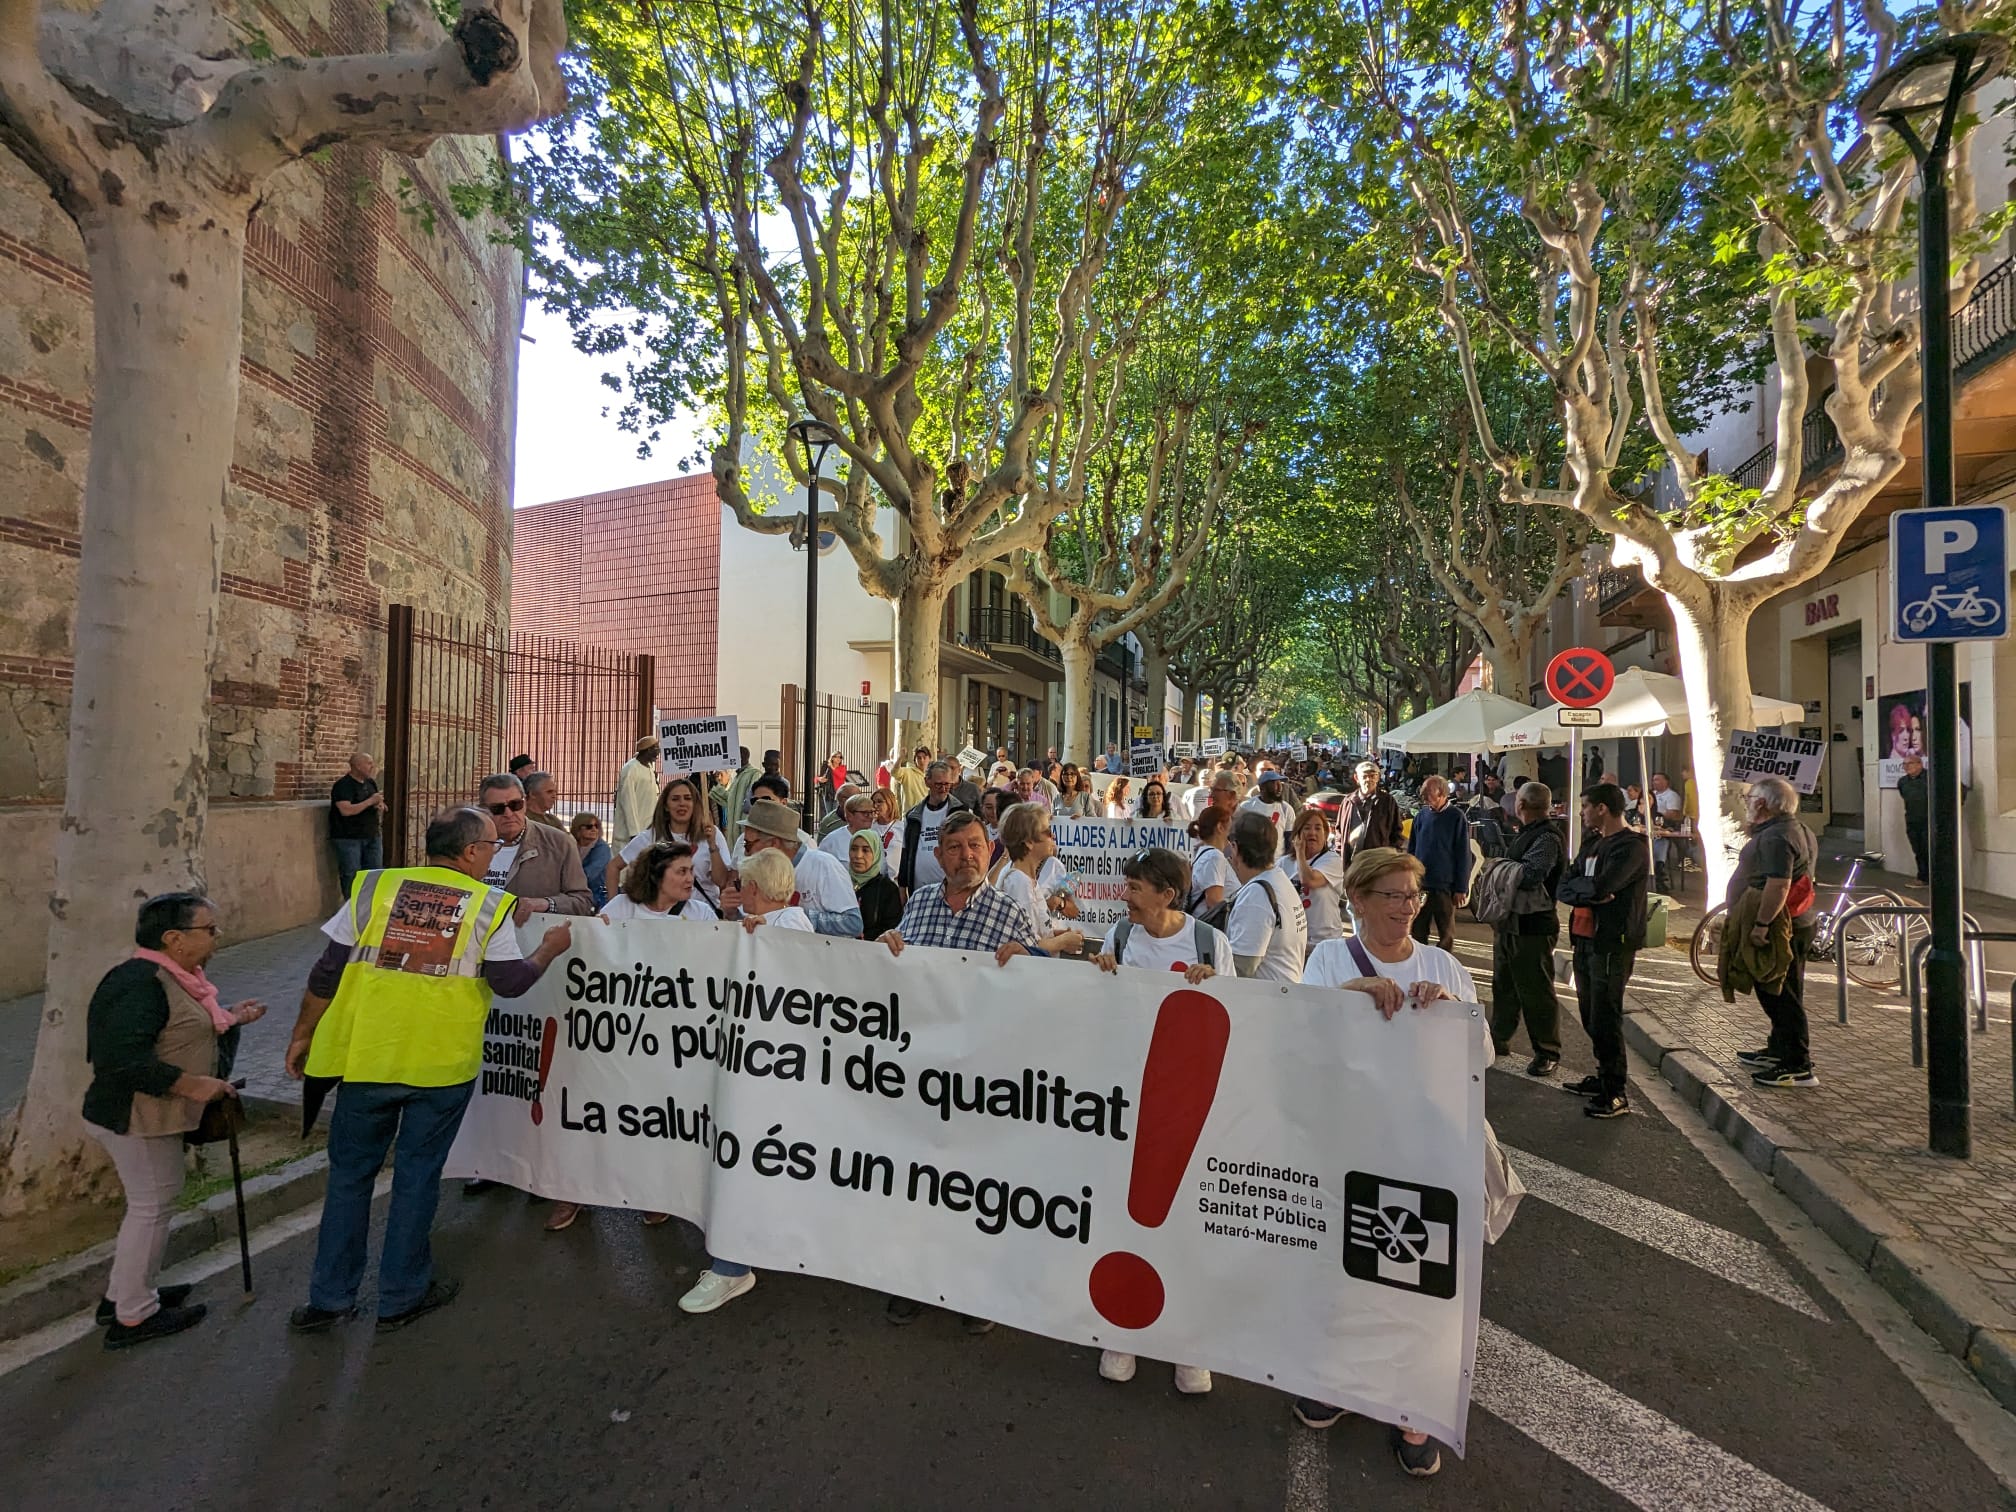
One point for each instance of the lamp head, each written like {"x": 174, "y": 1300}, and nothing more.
{"x": 1924, "y": 78}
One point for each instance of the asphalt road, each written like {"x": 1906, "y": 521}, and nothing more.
{"x": 1647, "y": 1342}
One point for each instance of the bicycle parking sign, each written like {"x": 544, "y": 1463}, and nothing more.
{"x": 1949, "y": 574}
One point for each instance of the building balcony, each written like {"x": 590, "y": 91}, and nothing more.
{"x": 1007, "y": 633}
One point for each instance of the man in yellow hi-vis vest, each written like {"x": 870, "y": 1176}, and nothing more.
{"x": 394, "y": 1011}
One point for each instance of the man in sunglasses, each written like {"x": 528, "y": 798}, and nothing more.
{"x": 540, "y": 867}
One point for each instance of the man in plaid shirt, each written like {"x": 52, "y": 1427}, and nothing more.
{"x": 961, "y": 913}
{"x": 964, "y": 912}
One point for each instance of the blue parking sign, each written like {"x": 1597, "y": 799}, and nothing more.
{"x": 1949, "y": 574}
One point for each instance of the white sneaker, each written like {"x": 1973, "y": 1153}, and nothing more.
{"x": 1192, "y": 1380}
{"x": 1115, "y": 1366}
{"x": 714, "y": 1290}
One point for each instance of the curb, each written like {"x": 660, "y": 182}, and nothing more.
{"x": 76, "y": 1282}
{"x": 1940, "y": 1297}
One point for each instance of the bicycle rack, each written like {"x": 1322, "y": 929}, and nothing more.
{"x": 1977, "y": 981}
{"x": 1903, "y": 913}
{"x": 1907, "y": 963}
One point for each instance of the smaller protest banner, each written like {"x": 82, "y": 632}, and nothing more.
{"x": 1145, "y": 759}
{"x": 1183, "y": 749}
{"x": 1300, "y": 751}
{"x": 974, "y": 760}
{"x": 699, "y": 745}
{"x": 1754, "y": 754}
{"x": 1092, "y": 851}
{"x": 1214, "y": 746}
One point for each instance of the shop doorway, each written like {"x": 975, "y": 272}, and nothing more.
{"x": 1844, "y": 728}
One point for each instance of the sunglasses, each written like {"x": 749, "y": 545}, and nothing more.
{"x": 514, "y": 806}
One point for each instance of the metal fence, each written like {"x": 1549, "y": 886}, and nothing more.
{"x": 462, "y": 699}
{"x": 861, "y": 735}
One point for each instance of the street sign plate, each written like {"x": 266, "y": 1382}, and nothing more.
{"x": 1580, "y": 677}
{"x": 1588, "y": 719}
{"x": 1949, "y": 574}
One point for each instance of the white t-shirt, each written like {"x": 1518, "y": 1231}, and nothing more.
{"x": 1177, "y": 953}
{"x": 836, "y": 844}
{"x": 787, "y": 918}
{"x": 1325, "y": 905}
{"x": 1330, "y": 965}
{"x": 502, "y": 860}
{"x": 1208, "y": 869}
{"x": 824, "y": 883}
{"x": 502, "y": 946}
{"x": 1280, "y": 812}
{"x": 703, "y": 860}
{"x": 1051, "y": 876}
{"x": 1669, "y": 802}
{"x": 928, "y": 820}
{"x": 1189, "y": 802}
{"x": 1252, "y": 930}
{"x": 1018, "y": 886}
{"x": 622, "y": 907}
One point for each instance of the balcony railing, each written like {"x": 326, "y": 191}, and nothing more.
{"x": 1614, "y": 585}
{"x": 1984, "y": 331}
{"x": 1010, "y": 625}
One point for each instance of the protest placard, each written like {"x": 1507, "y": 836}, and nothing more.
{"x": 1214, "y": 746}
{"x": 699, "y": 745}
{"x": 1144, "y": 758}
{"x": 1754, "y": 754}
{"x": 1269, "y": 1181}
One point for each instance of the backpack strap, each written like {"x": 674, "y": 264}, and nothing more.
{"x": 1360, "y": 956}
{"x": 1120, "y": 932}
{"x": 1202, "y": 943}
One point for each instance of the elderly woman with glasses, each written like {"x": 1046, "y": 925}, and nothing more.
{"x": 1385, "y": 962}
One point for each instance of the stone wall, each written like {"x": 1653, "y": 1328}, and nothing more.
{"x": 373, "y": 466}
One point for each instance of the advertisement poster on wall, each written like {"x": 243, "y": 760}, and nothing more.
{"x": 1903, "y": 728}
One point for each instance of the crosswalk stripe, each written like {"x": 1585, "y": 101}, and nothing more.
{"x": 1731, "y": 1257}
{"x": 1649, "y": 1460}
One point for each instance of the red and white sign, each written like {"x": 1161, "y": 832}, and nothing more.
{"x": 1580, "y": 677}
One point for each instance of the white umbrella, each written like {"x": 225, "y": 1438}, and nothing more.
{"x": 1463, "y": 724}
{"x": 1640, "y": 704}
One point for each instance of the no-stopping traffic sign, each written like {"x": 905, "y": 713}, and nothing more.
{"x": 1580, "y": 677}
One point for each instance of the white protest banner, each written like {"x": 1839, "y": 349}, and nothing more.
{"x": 1266, "y": 1180}
{"x": 1299, "y": 751}
{"x": 973, "y": 760}
{"x": 1214, "y": 746}
{"x": 700, "y": 745}
{"x": 1145, "y": 758}
{"x": 1093, "y": 850}
{"x": 1183, "y": 748}
{"x": 1754, "y": 754}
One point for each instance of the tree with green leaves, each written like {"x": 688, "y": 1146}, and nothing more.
{"x": 912, "y": 223}
{"x": 1634, "y": 202}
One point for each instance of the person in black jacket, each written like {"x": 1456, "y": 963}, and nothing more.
{"x": 1369, "y": 819}
{"x": 1914, "y": 792}
{"x": 881, "y": 899}
{"x": 1606, "y": 887}
{"x": 156, "y": 1036}
{"x": 1522, "y": 946}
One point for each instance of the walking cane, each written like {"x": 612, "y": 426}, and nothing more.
{"x": 238, "y": 1189}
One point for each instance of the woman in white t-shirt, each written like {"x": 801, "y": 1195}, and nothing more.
{"x": 1268, "y": 930}
{"x": 1157, "y": 935}
{"x": 660, "y": 884}
{"x": 1025, "y": 833}
{"x": 1395, "y": 971}
{"x": 888, "y": 829}
{"x": 1318, "y": 874}
{"x": 769, "y": 883}
{"x": 682, "y": 815}
{"x": 1210, "y": 873}
{"x": 1118, "y": 804}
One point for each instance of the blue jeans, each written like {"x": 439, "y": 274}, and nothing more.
{"x": 368, "y": 1117}
{"x": 728, "y": 1268}
{"x": 353, "y": 856}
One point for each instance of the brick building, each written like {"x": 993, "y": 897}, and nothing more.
{"x": 374, "y": 466}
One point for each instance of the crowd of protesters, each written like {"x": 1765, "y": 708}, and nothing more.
{"x": 1286, "y": 880}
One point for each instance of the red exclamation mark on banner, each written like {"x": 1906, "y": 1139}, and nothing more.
{"x": 547, "y": 1042}
{"x": 1178, "y": 1083}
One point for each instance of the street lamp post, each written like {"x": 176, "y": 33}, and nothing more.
{"x": 1930, "y": 83}
{"x": 816, "y": 437}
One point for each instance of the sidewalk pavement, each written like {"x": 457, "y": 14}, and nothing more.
{"x": 273, "y": 969}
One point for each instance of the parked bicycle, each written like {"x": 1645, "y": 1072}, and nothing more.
{"x": 1875, "y": 941}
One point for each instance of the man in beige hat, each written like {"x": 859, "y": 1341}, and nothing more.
{"x": 636, "y": 792}
{"x": 825, "y": 891}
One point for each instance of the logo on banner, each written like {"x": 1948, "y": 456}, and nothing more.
{"x": 1399, "y": 1234}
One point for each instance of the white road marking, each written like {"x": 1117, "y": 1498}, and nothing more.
{"x": 1308, "y": 1470}
{"x": 1731, "y": 1257}
{"x": 26, "y": 1350}
{"x": 1649, "y": 1460}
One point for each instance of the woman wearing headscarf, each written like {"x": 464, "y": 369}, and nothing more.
{"x": 881, "y": 899}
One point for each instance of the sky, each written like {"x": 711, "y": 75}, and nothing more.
{"x": 567, "y": 444}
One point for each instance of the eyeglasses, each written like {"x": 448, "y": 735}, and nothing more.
{"x": 512, "y": 807}
{"x": 1405, "y": 899}
{"x": 209, "y": 929}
